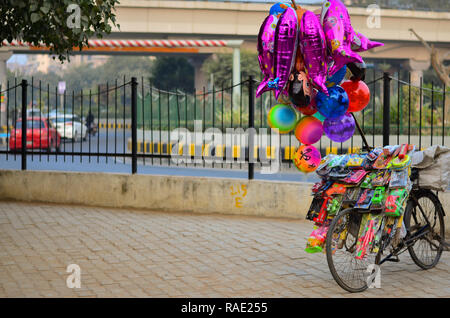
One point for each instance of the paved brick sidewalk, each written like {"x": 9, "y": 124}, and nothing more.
{"x": 129, "y": 253}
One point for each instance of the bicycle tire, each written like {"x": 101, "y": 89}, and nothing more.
{"x": 332, "y": 265}
{"x": 437, "y": 214}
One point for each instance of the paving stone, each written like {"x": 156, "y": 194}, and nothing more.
{"x": 128, "y": 253}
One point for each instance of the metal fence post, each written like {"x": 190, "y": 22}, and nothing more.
{"x": 386, "y": 107}
{"x": 251, "y": 126}
{"x": 133, "y": 125}
{"x": 24, "y": 125}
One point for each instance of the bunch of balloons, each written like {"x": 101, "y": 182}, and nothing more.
{"x": 304, "y": 57}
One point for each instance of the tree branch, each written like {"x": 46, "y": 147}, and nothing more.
{"x": 437, "y": 63}
{"x": 445, "y": 55}
{"x": 422, "y": 40}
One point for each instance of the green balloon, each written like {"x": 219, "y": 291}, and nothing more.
{"x": 283, "y": 117}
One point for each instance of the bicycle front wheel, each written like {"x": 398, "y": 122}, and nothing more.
{"x": 349, "y": 272}
{"x": 424, "y": 221}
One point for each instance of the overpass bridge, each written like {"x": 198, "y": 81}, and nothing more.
{"x": 241, "y": 20}
{"x": 183, "y": 20}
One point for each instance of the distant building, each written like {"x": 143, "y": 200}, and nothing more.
{"x": 45, "y": 63}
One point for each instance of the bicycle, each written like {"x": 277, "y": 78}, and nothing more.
{"x": 424, "y": 238}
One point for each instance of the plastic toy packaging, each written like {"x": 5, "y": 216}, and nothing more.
{"x": 378, "y": 197}
{"x": 317, "y": 186}
{"x": 351, "y": 195}
{"x": 326, "y": 160}
{"x": 395, "y": 202}
{"x": 367, "y": 183}
{"x": 339, "y": 172}
{"x": 324, "y": 168}
{"x": 365, "y": 199}
{"x": 355, "y": 177}
{"x": 399, "y": 179}
{"x": 379, "y": 179}
{"x": 370, "y": 158}
{"x": 383, "y": 160}
{"x": 355, "y": 161}
{"x": 366, "y": 239}
{"x": 316, "y": 239}
{"x": 390, "y": 150}
{"x": 338, "y": 161}
{"x": 336, "y": 188}
{"x": 335, "y": 205}
{"x": 315, "y": 208}
{"x": 321, "y": 186}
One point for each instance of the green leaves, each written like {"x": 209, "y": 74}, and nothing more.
{"x": 172, "y": 73}
{"x": 35, "y": 17}
{"x": 52, "y": 23}
{"x": 44, "y": 9}
{"x": 221, "y": 66}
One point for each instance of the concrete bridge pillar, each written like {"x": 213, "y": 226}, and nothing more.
{"x": 236, "y": 45}
{"x": 200, "y": 77}
{"x": 417, "y": 68}
{"x": 4, "y": 57}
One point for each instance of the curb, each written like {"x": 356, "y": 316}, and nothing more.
{"x": 3, "y": 128}
{"x": 235, "y": 151}
{"x": 114, "y": 126}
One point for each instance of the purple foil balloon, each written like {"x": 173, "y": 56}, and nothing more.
{"x": 285, "y": 49}
{"x": 360, "y": 43}
{"x": 265, "y": 52}
{"x": 340, "y": 36}
{"x": 314, "y": 50}
{"x": 339, "y": 129}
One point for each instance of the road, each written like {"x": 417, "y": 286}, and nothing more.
{"x": 109, "y": 142}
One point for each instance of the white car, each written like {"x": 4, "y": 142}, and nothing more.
{"x": 70, "y": 127}
{"x": 34, "y": 112}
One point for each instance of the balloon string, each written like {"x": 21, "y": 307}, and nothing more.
{"x": 294, "y": 4}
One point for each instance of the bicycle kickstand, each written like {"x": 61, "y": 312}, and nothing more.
{"x": 446, "y": 246}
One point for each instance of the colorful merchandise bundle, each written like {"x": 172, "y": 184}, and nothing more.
{"x": 376, "y": 183}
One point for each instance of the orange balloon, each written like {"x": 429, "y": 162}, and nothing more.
{"x": 358, "y": 94}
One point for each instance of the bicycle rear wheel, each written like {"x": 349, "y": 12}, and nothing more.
{"x": 427, "y": 224}
{"x": 350, "y": 273}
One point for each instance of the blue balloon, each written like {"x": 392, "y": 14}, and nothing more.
{"x": 337, "y": 77}
{"x": 278, "y": 8}
{"x": 335, "y": 105}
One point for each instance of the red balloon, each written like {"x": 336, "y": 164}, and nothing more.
{"x": 358, "y": 94}
{"x": 309, "y": 110}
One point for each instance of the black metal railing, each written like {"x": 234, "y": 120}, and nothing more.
{"x": 139, "y": 125}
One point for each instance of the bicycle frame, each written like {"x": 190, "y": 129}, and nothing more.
{"x": 410, "y": 240}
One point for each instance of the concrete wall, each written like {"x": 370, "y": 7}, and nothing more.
{"x": 165, "y": 193}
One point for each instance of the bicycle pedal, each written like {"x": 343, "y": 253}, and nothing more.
{"x": 394, "y": 260}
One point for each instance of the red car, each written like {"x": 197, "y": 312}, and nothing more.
{"x": 41, "y": 134}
